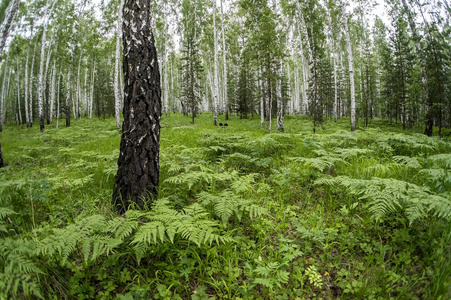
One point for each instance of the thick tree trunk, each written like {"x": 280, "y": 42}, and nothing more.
{"x": 138, "y": 165}
{"x": 351, "y": 71}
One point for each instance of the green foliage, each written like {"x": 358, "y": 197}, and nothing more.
{"x": 241, "y": 214}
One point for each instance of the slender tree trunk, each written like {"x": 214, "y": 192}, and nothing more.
{"x": 91, "y": 100}
{"x": 224, "y": 57}
{"x": 48, "y": 12}
{"x": 27, "y": 118}
{"x": 351, "y": 71}
{"x": 117, "y": 94}
{"x": 138, "y": 164}
{"x": 44, "y": 86}
{"x": 68, "y": 91}
{"x": 52, "y": 91}
{"x": 19, "y": 112}
{"x": 216, "y": 85}
{"x": 6, "y": 25}
{"x": 3, "y": 94}
{"x": 30, "y": 109}
{"x": 279, "y": 98}
{"x": 58, "y": 101}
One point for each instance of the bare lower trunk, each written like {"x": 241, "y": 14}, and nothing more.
{"x": 137, "y": 177}
{"x": 68, "y": 91}
{"x": 216, "y": 85}
{"x": 117, "y": 94}
{"x": 19, "y": 112}
{"x": 30, "y": 109}
{"x": 58, "y": 102}
{"x": 41, "y": 66}
{"x": 225, "y": 96}
{"x": 279, "y": 98}
{"x": 3, "y": 94}
{"x": 351, "y": 71}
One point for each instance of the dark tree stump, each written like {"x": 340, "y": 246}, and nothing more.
{"x": 1, "y": 157}
{"x": 138, "y": 165}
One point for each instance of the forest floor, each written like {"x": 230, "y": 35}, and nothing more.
{"x": 242, "y": 214}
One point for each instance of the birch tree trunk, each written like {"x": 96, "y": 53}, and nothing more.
{"x": 3, "y": 95}
{"x": 91, "y": 100}
{"x": 52, "y": 91}
{"x": 216, "y": 87}
{"x": 6, "y": 25}
{"x": 279, "y": 98}
{"x": 224, "y": 56}
{"x": 334, "y": 57}
{"x": 68, "y": 91}
{"x": 30, "y": 109}
{"x": 19, "y": 113}
{"x": 48, "y": 12}
{"x": 77, "y": 91}
{"x": 44, "y": 86}
{"x": 166, "y": 85}
{"x": 137, "y": 177}
{"x": 117, "y": 94}
{"x": 27, "y": 119}
{"x": 58, "y": 101}
{"x": 351, "y": 70}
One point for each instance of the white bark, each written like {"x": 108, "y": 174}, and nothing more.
{"x": 77, "y": 91}
{"x": 279, "y": 98}
{"x": 351, "y": 70}
{"x": 48, "y": 12}
{"x": 91, "y": 100}
{"x": 5, "y": 27}
{"x": 216, "y": 87}
{"x": 3, "y": 94}
{"x": 166, "y": 86}
{"x": 224, "y": 54}
{"x": 58, "y": 101}
{"x": 52, "y": 91}
{"x": 117, "y": 94}
{"x": 27, "y": 117}
{"x": 30, "y": 109}
{"x": 19, "y": 113}
{"x": 334, "y": 57}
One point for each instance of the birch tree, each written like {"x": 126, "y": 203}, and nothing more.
{"x": 224, "y": 57}
{"x": 216, "y": 67}
{"x": 5, "y": 27}
{"x": 48, "y": 11}
{"x": 351, "y": 68}
{"x": 117, "y": 94}
{"x": 137, "y": 178}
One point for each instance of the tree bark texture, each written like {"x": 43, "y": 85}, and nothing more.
{"x": 216, "y": 67}
{"x": 351, "y": 71}
{"x": 138, "y": 165}
{"x": 5, "y": 27}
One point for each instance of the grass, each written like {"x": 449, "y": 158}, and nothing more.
{"x": 244, "y": 214}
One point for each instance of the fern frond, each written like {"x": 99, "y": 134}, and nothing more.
{"x": 409, "y": 162}
{"x": 441, "y": 160}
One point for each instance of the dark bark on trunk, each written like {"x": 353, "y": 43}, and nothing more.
{"x": 1, "y": 157}
{"x": 138, "y": 165}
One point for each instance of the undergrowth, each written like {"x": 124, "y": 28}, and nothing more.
{"x": 242, "y": 214}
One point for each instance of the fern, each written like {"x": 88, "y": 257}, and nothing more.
{"x": 409, "y": 162}
{"x": 387, "y": 196}
{"x": 227, "y": 204}
{"x": 441, "y": 160}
